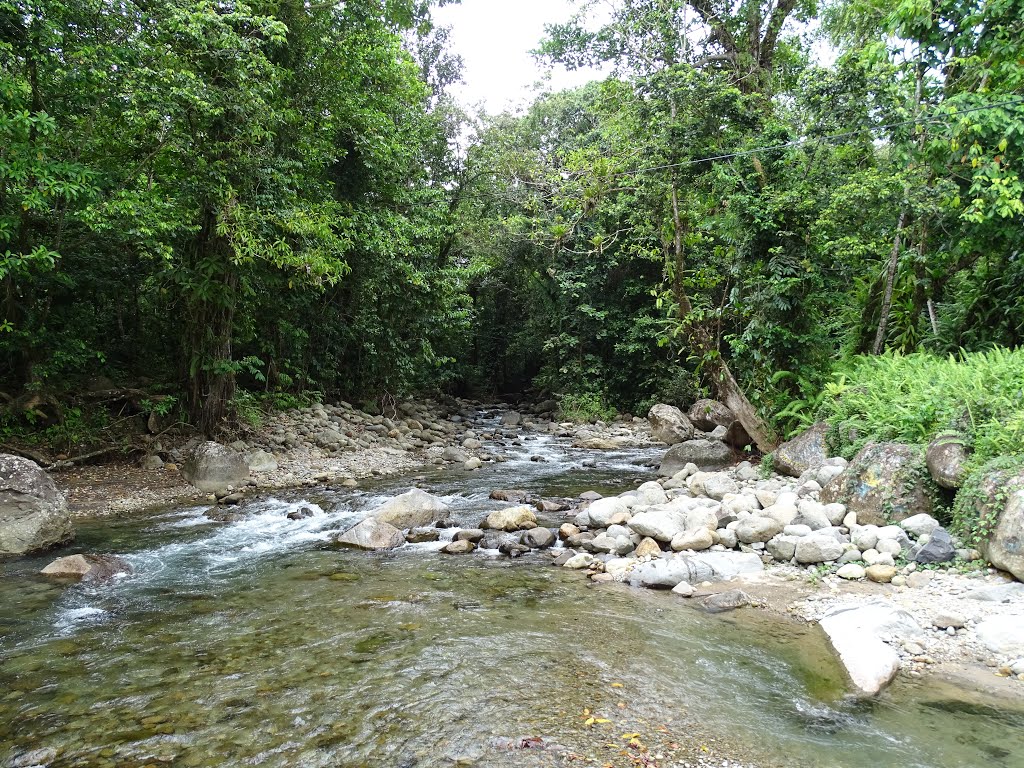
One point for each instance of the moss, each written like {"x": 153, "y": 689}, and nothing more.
{"x": 981, "y": 500}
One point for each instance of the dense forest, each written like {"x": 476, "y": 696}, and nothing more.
{"x": 234, "y": 206}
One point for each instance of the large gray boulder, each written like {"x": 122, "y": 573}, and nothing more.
{"x": 999, "y": 498}
{"x": 818, "y": 548}
{"x": 213, "y": 467}
{"x": 946, "y": 458}
{"x": 805, "y": 451}
{"x": 669, "y": 424}
{"x": 753, "y": 530}
{"x": 705, "y": 454}
{"x": 708, "y": 414}
{"x": 413, "y": 509}
{"x": 660, "y": 524}
{"x": 885, "y": 483}
{"x": 33, "y": 513}
{"x": 372, "y": 533}
{"x": 669, "y": 571}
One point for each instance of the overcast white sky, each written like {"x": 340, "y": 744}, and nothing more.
{"x": 494, "y": 38}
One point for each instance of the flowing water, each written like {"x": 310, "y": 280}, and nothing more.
{"x": 255, "y": 642}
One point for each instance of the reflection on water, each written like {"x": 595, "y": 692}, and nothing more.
{"x": 256, "y": 643}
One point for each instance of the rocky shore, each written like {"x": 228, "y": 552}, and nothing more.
{"x": 817, "y": 544}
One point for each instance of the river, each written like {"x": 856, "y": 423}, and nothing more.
{"x": 256, "y": 642}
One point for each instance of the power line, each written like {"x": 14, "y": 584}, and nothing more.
{"x": 787, "y": 145}
{"x": 813, "y": 139}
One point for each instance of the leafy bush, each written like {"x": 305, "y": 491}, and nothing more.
{"x": 979, "y": 503}
{"x": 585, "y": 407}
{"x": 912, "y": 398}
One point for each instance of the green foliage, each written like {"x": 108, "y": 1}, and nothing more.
{"x": 205, "y": 192}
{"x": 585, "y": 408}
{"x": 981, "y": 500}
{"x": 248, "y": 407}
{"x": 913, "y": 398}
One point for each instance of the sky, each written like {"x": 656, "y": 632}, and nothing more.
{"x": 494, "y": 38}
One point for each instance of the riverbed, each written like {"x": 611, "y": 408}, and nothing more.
{"x": 257, "y": 642}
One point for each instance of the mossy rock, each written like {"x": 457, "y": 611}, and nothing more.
{"x": 884, "y": 484}
{"x": 989, "y": 512}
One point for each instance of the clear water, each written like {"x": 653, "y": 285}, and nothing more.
{"x": 256, "y": 643}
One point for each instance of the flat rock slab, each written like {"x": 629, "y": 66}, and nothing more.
{"x": 999, "y": 593}
{"x": 1003, "y": 635}
{"x": 667, "y": 572}
{"x": 856, "y": 631}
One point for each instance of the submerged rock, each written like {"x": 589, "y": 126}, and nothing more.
{"x": 87, "y": 567}
{"x": 33, "y": 513}
{"x": 726, "y": 601}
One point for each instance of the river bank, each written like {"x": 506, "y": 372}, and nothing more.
{"x": 663, "y": 641}
{"x": 944, "y": 602}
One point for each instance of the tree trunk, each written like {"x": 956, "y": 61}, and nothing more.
{"x": 723, "y": 383}
{"x": 210, "y": 379}
{"x": 890, "y": 279}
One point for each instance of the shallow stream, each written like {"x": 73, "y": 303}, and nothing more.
{"x": 255, "y": 642}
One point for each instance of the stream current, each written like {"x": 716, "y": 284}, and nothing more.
{"x": 255, "y": 642}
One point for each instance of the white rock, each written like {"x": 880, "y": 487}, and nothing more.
{"x": 1003, "y": 635}
{"x": 684, "y": 589}
{"x": 855, "y": 631}
{"x": 851, "y": 571}
{"x": 889, "y": 546}
{"x": 919, "y": 525}
{"x": 864, "y": 537}
{"x": 602, "y": 511}
{"x": 652, "y": 493}
{"x": 580, "y": 561}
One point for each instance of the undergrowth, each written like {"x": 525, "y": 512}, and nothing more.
{"x": 585, "y": 407}
{"x": 983, "y": 497}
{"x": 913, "y": 398}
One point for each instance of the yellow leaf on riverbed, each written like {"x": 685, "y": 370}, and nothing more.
{"x": 616, "y": 685}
